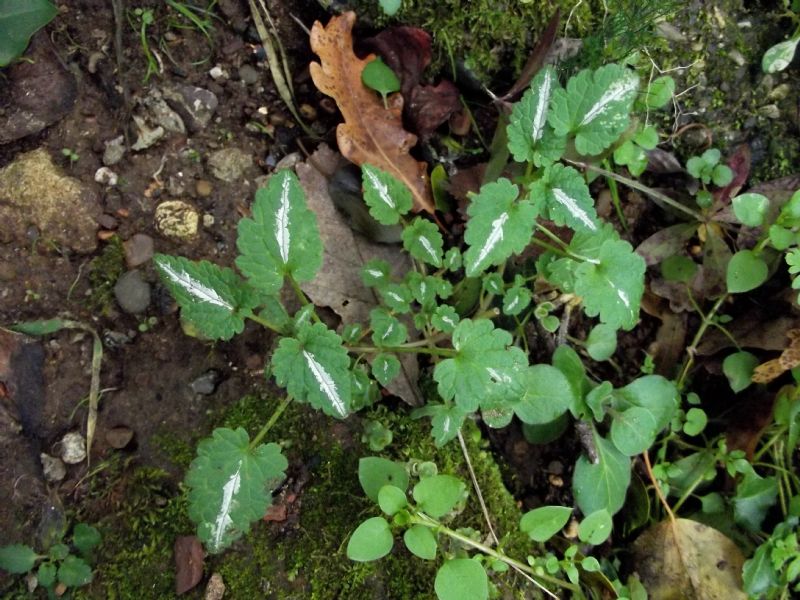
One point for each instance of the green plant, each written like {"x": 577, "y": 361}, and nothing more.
{"x": 145, "y": 18}
{"x": 65, "y": 565}
{"x": 379, "y": 77}
{"x": 70, "y": 155}
{"x": 18, "y": 22}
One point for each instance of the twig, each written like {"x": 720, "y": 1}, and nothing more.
{"x": 477, "y": 487}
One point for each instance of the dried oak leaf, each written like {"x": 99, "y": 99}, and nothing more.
{"x": 788, "y": 360}
{"x": 371, "y": 133}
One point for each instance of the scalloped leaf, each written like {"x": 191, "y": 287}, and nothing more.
{"x": 229, "y": 483}
{"x": 423, "y": 241}
{"x": 565, "y": 198}
{"x": 214, "y": 299}
{"x": 314, "y": 368}
{"x": 386, "y": 329}
{"x": 499, "y": 226}
{"x": 282, "y": 238}
{"x": 385, "y": 367}
{"x": 388, "y": 199}
{"x": 486, "y": 368}
{"x": 594, "y": 107}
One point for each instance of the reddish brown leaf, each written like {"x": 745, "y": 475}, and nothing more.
{"x": 188, "y": 563}
{"x": 432, "y": 105}
{"x": 371, "y": 133}
{"x": 407, "y": 51}
{"x": 739, "y": 163}
{"x": 536, "y": 58}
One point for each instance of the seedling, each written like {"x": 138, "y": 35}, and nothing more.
{"x": 379, "y": 77}
{"x": 70, "y": 155}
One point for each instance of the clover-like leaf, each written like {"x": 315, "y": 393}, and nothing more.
{"x": 486, "y": 366}
{"x": 281, "y": 238}
{"x": 313, "y": 367}
{"x": 386, "y": 329}
{"x": 612, "y": 284}
{"x": 594, "y": 107}
{"x": 385, "y": 367}
{"x": 213, "y": 299}
{"x": 388, "y": 199}
{"x": 229, "y": 483}
{"x": 423, "y": 241}
{"x": 530, "y": 138}
{"x": 601, "y": 484}
{"x": 499, "y": 226}
{"x": 563, "y": 196}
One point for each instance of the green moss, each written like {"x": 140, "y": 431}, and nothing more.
{"x": 104, "y": 270}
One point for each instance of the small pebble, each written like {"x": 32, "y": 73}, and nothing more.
{"x": 217, "y": 72}
{"x": 215, "y": 589}
{"x": 138, "y": 250}
{"x": 73, "y": 448}
{"x": 107, "y": 221}
{"x": 204, "y": 188}
{"x": 207, "y": 383}
{"x": 308, "y": 112}
{"x": 53, "y": 468}
{"x": 105, "y": 176}
{"x": 115, "y": 150}
{"x": 208, "y": 220}
{"x": 119, "y": 437}
{"x": 177, "y": 219}
{"x": 132, "y": 292}
{"x": 248, "y": 74}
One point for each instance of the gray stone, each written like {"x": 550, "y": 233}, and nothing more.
{"x": 229, "y": 164}
{"x": 248, "y": 74}
{"x": 177, "y": 219}
{"x": 53, "y": 468}
{"x": 195, "y": 105}
{"x": 138, "y": 250}
{"x": 73, "y": 448}
{"x": 161, "y": 114}
{"x": 146, "y": 136}
{"x": 132, "y": 292}
{"x": 34, "y": 192}
{"x": 207, "y": 383}
{"x": 115, "y": 150}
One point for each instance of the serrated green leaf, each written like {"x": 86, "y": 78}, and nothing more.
{"x": 385, "y": 367}
{"x": 486, "y": 366}
{"x": 596, "y": 527}
{"x": 375, "y": 472}
{"x": 396, "y": 296}
{"x": 453, "y": 259}
{"x": 613, "y": 286}
{"x": 594, "y": 107}
{"x": 445, "y": 318}
{"x": 74, "y": 572}
{"x": 438, "y": 495}
{"x": 646, "y": 137}
{"x": 493, "y": 283}
{"x": 779, "y": 56}
{"x": 423, "y": 241}
{"x": 46, "y": 574}
{"x": 421, "y": 542}
{"x": 738, "y": 368}
{"x": 18, "y": 22}
{"x": 387, "y": 197}
{"x": 446, "y": 421}
{"x": 314, "y": 368}
{"x": 370, "y": 541}
{"x": 631, "y": 155}
{"x": 213, "y": 299}
{"x": 516, "y": 299}
{"x": 602, "y": 484}
{"x": 228, "y": 484}
{"x": 391, "y": 499}
{"x": 461, "y": 579}
{"x": 544, "y": 522}
{"x": 562, "y": 195}
{"x": 601, "y": 343}
{"x": 499, "y": 226}
{"x": 387, "y": 330}
{"x": 17, "y": 558}
{"x": 376, "y": 273}
{"x": 633, "y": 430}
{"x": 85, "y": 538}
{"x": 746, "y": 271}
{"x": 281, "y": 238}
{"x": 547, "y": 395}
{"x": 530, "y": 138}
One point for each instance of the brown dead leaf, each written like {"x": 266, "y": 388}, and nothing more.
{"x": 338, "y": 284}
{"x": 687, "y": 560}
{"x": 371, "y": 133}
{"x": 188, "y": 563}
{"x": 788, "y": 360}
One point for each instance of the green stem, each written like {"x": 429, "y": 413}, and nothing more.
{"x": 403, "y": 349}
{"x": 548, "y": 247}
{"x": 707, "y": 322}
{"x": 633, "y": 184}
{"x": 612, "y": 187}
{"x": 567, "y": 251}
{"x": 264, "y": 323}
{"x": 272, "y": 420}
{"x": 421, "y": 519}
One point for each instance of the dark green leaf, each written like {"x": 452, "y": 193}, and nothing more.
{"x": 438, "y": 495}
{"x": 633, "y": 430}
{"x": 385, "y": 367}
{"x": 74, "y": 572}
{"x": 17, "y": 558}
{"x": 604, "y": 483}
{"x": 85, "y": 537}
{"x": 738, "y": 368}
{"x": 595, "y": 528}
{"x": 46, "y": 574}
{"x": 375, "y": 472}
{"x": 755, "y": 495}
{"x": 19, "y": 20}
{"x": 423, "y": 241}
{"x": 379, "y": 77}
{"x": 547, "y": 395}
{"x": 602, "y": 342}
{"x": 387, "y": 197}
{"x": 544, "y": 522}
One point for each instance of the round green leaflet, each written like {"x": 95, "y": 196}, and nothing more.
{"x": 391, "y": 499}
{"x": 544, "y": 522}
{"x": 750, "y": 208}
{"x": 438, "y": 495}
{"x": 370, "y": 541}
{"x": 596, "y": 527}
{"x": 421, "y": 542}
{"x": 461, "y": 579}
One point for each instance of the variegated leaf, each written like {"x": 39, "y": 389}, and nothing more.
{"x": 563, "y": 196}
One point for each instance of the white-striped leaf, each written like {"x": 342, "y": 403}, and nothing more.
{"x": 530, "y": 138}
{"x": 388, "y": 198}
{"x": 386, "y": 329}
{"x": 214, "y": 299}
{"x": 423, "y": 241}
{"x": 499, "y": 226}
{"x": 314, "y": 368}
{"x": 594, "y": 107}
{"x": 229, "y": 485}
{"x": 385, "y": 367}
{"x": 281, "y": 238}
{"x": 562, "y": 195}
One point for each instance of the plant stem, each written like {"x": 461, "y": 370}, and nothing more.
{"x": 407, "y": 349}
{"x": 690, "y": 351}
{"x": 272, "y": 420}
{"x": 477, "y": 487}
{"x": 612, "y": 187}
{"x": 632, "y": 183}
{"x": 422, "y": 519}
{"x": 264, "y": 323}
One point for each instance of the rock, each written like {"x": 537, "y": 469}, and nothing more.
{"x": 115, "y": 150}
{"x": 771, "y": 111}
{"x": 229, "y": 164}
{"x": 248, "y": 74}
{"x": 105, "y": 176}
{"x": 119, "y": 437}
{"x": 207, "y": 383}
{"x": 215, "y": 589}
{"x": 33, "y": 191}
{"x": 53, "y": 468}
{"x": 204, "y": 188}
{"x": 138, "y": 250}
{"x": 195, "y": 105}
{"x": 208, "y": 220}
{"x": 73, "y": 448}
{"x": 146, "y": 136}
{"x": 132, "y": 292}
{"x": 216, "y": 72}
{"x": 161, "y": 114}
{"x": 177, "y": 219}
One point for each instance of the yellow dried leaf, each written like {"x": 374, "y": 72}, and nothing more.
{"x": 371, "y": 133}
